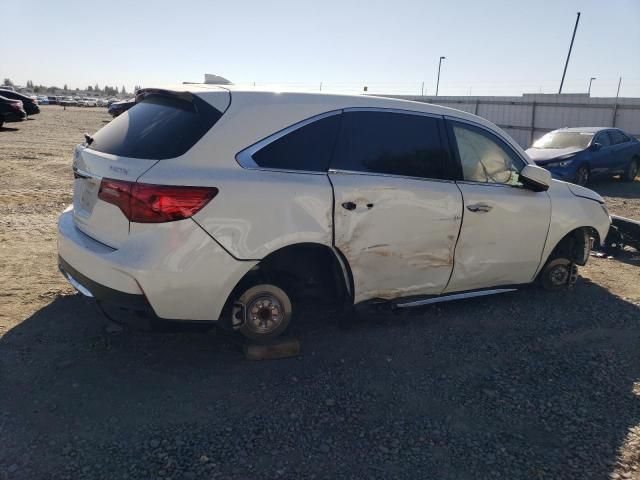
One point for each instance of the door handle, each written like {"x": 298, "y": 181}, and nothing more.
{"x": 349, "y": 205}
{"x": 479, "y": 207}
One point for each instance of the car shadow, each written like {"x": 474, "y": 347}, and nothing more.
{"x": 616, "y": 187}
{"x": 8, "y": 129}
{"x": 524, "y": 385}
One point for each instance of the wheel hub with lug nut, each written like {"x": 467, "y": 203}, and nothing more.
{"x": 559, "y": 275}
{"x": 264, "y": 314}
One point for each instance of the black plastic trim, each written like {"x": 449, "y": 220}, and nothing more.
{"x": 106, "y": 294}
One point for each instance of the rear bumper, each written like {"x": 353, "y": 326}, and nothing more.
{"x": 89, "y": 288}
{"x": 14, "y": 116}
{"x": 174, "y": 267}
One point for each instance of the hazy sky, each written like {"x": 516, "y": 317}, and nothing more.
{"x": 492, "y": 46}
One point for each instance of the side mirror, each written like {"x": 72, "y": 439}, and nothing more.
{"x": 535, "y": 178}
{"x": 595, "y": 146}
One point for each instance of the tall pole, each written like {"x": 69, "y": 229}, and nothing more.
{"x": 566, "y": 64}
{"x": 422, "y": 91}
{"x": 590, "y": 81}
{"x": 618, "y": 92}
{"x": 438, "y": 83}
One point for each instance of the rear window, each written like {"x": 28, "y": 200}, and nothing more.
{"x": 157, "y": 128}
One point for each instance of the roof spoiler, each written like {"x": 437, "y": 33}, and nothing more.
{"x": 147, "y": 92}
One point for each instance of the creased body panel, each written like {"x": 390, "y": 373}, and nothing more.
{"x": 183, "y": 273}
{"x": 257, "y": 212}
{"x": 399, "y": 240}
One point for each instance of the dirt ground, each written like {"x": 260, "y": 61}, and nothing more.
{"x": 526, "y": 385}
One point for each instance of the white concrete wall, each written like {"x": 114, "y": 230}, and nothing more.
{"x": 516, "y": 114}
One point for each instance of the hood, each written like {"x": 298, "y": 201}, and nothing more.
{"x": 544, "y": 155}
{"x": 583, "y": 192}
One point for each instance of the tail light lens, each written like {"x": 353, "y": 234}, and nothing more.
{"x": 146, "y": 203}
{"x": 17, "y": 105}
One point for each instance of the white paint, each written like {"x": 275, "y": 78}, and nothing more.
{"x": 405, "y": 243}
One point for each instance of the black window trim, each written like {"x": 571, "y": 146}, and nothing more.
{"x": 453, "y": 147}
{"x": 443, "y": 141}
{"x": 245, "y": 156}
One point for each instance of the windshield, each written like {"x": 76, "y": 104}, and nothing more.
{"x": 564, "y": 140}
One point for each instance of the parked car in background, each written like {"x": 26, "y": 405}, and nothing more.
{"x": 30, "y": 104}
{"x": 43, "y": 100}
{"x": 53, "y": 100}
{"x": 101, "y": 102}
{"x": 68, "y": 102}
{"x": 87, "y": 102}
{"x": 11, "y": 110}
{"x": 118, "y": 108}
{"x": 230, "y": 205}
{"x": 111, "y": 101}
{"x": 580, "y": 154}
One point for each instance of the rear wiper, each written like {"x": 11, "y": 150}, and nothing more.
{"x": 88, "y": 139}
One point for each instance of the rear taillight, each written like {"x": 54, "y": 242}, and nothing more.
{"x": 17, "y": 105}
{"x": 145, "y": 203}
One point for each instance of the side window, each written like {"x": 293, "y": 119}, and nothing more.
{"x": 390, "y": 143}
{"x": 603, "y": 139}
{"x": 618, "y": 137}
{"x": 485, "y": 158}
{"x": 306, "y": 148}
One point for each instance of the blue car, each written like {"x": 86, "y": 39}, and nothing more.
{"x": 579, "y": 154}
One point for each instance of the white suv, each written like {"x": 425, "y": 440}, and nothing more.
{"x": 224, "y": 204}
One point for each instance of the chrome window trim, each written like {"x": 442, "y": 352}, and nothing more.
{"x": 337, "y": 171}
{"x": 245, "y": 157}
{"x": 393, "y": 110}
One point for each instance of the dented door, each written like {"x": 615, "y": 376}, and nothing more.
{"x": 398, "y": 234}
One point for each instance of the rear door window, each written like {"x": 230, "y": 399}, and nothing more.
{"x": 390, "y": 143}
{"x": 618, "y": 137}
{"x": 157, "y": 128}
{"x": 307, "y": 148}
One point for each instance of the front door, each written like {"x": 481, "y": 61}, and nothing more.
{"x": 397, "y": 213}
{"x": 505, "y": 225}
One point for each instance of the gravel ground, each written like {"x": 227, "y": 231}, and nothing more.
{"x": 525, "y": 385}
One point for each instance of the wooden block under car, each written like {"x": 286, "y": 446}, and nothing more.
{"x": 285, "y": 348}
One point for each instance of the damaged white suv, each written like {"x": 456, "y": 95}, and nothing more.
{"x": 217, "y": 203}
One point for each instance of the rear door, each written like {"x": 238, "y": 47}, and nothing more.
{"x": 603, "y": 159}
{"x": 623, "y": 150}
{"x": 397, "y": 214}
{"x": 505, "y": 225}
{"x": 160, "y": 126}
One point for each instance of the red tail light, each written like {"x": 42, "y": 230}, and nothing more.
{"x": 146, "y": 203}
{"x": 17, "y": 105}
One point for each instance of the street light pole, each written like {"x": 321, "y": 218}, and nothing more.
{"x": 438, "y": 83}
{"x": 566, "y": 64}
{"x": 590, "y": 81}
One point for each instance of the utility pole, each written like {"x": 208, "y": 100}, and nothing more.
{"x": 438, "y": 83}
{"x": 422, "y": 91}
{"x": 618, "y": 92}
{"x": 566, "y": 64}
{"x": 590, "y": 81}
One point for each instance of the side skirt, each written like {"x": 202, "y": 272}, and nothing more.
{"x": 448, "y": 298}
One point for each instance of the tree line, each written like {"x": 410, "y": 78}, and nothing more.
{"x": 106, "y": 90}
